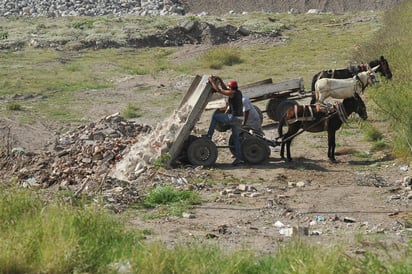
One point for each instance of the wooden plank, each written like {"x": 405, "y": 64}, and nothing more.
{"x": 263, "y": 90}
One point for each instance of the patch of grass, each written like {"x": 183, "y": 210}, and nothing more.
{"x": 132, "y": 111}
{"x": 39, "y": 236}
{"x": 364, "y": 155}
{"x": 170, "y": 202}
{"x": 14, "y": 106}
{"x": 218, "y": 57}
{"x": 162, "y": 161}
{"x": 36, "y": 236}
{"x": 168, "y": 195}
{"x": 83, "y": 24}
{"x": 379, "y": 145}
{"x": 372, "y": 134}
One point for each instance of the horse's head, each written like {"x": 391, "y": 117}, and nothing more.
{"x": 356, "y": 104}
{"x": 367, "y": 77}
{"x": 384, "y": 68}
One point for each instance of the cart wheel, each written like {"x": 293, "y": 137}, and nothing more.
{"x": 259, "y": 112}
{"x": 283, "y": 107}
{"x": 182, "y": 158}
{"x": 271, "y": 107}
{"x": 255, "y": 150}
{"x": 202, "y": 152}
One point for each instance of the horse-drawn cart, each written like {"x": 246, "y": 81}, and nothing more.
{"x": 255, "y": 147}
{"x": 280, "y": 95}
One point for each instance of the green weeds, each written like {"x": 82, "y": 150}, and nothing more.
{"x": 38, "y": 236}
{"x": 132, "y": 111}
{"x": 169, "y": 201}
{"x": 217, "y": 58}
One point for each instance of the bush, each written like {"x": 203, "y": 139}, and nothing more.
{"x": 132, "y": 112}
{"x": 216, "y": 58}
{"x": 14, "y": 106}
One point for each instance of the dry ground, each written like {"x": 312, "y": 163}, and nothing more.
{"x": 337, "y": 202}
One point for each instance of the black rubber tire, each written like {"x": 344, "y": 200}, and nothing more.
{"x": 271, "y": 107}
{"x": 283, "y": 107}
{"x": 259, "y": 112}
{"x": 202, "y": 152}
{"x": 182, "y": 158}
{"x": 255, "y": 150}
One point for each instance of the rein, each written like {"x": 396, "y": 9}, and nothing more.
{"x": 363, "y": 86}
{"x": 340, "y": 110}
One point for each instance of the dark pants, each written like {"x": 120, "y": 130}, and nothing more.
{"x": 234, "y": 122}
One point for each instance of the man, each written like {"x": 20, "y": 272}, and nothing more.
{"x": 233, "y": 116}
{"x": 251, "y": 117}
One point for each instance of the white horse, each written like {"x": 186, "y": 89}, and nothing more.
{"x": 344, "y": 88}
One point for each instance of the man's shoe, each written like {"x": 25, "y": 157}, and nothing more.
{"x": 237, "y": 162}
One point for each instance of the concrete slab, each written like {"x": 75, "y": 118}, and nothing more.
{"x": 194, "y": 101}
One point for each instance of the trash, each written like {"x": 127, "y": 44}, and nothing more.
{"x": 320, "y": 218}
{"x": 349, "y": 220}
{"x": 288, "y": 231}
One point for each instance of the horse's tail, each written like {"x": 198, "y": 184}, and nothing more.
{"x": 316, "y": 77}
{"x": 282, "y": 122}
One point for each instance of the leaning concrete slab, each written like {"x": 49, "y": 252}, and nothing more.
{"x": 194, "y": 101}
{"x": 168, "y": 136}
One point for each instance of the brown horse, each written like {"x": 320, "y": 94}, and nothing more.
{"x": 306, "y": 118}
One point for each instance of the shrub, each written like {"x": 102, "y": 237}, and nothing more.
{"x": 216, "y": 58}
{"x": 132, "y": 111}
{"x": 14, "y": 106}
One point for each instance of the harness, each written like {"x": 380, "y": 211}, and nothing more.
{"x": 302, "y": 118}
{"x": 362, "y": 85}
{"x": 338, "y": 109}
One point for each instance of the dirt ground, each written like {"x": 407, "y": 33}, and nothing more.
{"x": 326, "y": 203}
{"x": 262, "y": 207}
{"x": 257, "y": 207}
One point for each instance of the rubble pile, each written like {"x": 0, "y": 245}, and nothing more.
{"x": 56, "y": 8}
{"x": 80, "y": 160}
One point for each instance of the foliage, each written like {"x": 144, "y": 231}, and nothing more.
{"x": 38, "y": 236}
{"x": 372, "y": 133}
{"x": 85, "y": 24}
{"x": 394, "y": 98}
{"x": 132, "y": 111}
{"x": 168, "y": 195}
{"x": 217, "y": 58}
{"x": 169, "y": 201}
{"x": 14, "y": 106}
{"x": 162, "y": 160}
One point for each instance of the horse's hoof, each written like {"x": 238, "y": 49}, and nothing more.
{"x": 333, "y": 160}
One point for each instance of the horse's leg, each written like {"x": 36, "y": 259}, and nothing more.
{"x": 331, "y": 145}
{"x": 280, "y": 136}
{"x": 285, "y": 142}
{"x": 282, "y": 150}
{"x": 288, "y": 143}
{"x": 289, "y": 137}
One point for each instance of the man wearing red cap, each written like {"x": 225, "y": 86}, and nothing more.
{"x": 233, "y": 115}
